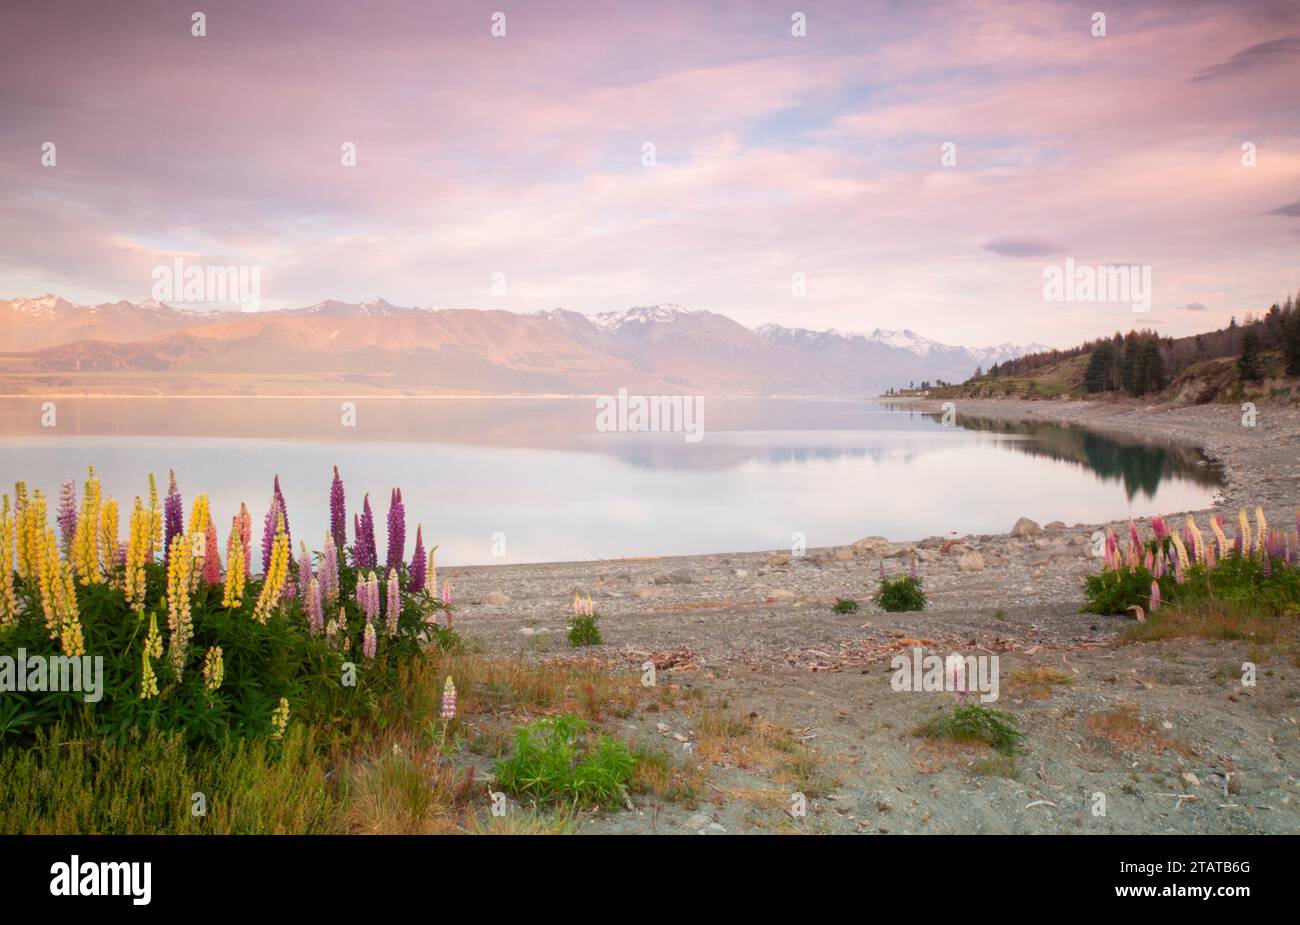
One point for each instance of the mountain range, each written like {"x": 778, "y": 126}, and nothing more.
{"x": 375, "y": 346}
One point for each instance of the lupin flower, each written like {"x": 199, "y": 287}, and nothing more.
{"x": 1179, "y": 576}
{"x": 1155, "y": 596}
{"x": 911, "y": 569}
{"x": 338, "y": 512}
{"x": 431, "y": 576}
{"x": 213, "y": 669}
{"x": 180, "y": 564}
{"x": 394, "y": 609}
{"x": 305, "y": 574}
{"x": 236, "y": 568}
{"x": 882, "y": 569}
{"x": 315, "y": 608}
{"x": 148, "y": 680}
{"x": 446, "y": 594}
{"x": 1158, "y": 526}
{"x": 211, "y": 556}
{"x": 153, "y": 647}
{"x": 67, "y": 514}
{"x": 280, "y": 719}
{"x": 369, "y": 643}
{"x": 284, "y": 509}
{"x": 416, "y": 583}
{"x": 276, "y": 574}
{"x": 1266, "y": 566}
{"x": 364, "y": 551}
{"x": 139, "y": 548}
{"x": 246, "y": 538}
{"x": 1261, "y": 529}
{"x": 329, "y": 570}
{"x": 396, "y": 530}
{"x": 1158, "y": 569}
{"x": 1199, "y": 552}
{"x": 1133, "y": 536}
{"x": 955, "y": 669}
{"x": 270, "y": 526}
{"x": 8, "y": 540}
{"x": 1183, "y": 559}
{"x": 1247, "y": 546}
{"x": 85, "y": 545}
{"x": 448, "y": 711}
{"x": 200, "y": 515}
{"x": 155, "y": 521}
{"x": 577, "y": 605}
{"x": 108, "y": 541}
{"x": 372, "y": 598}
{"x": 173, "y": 514}
{"x": 1216, "y": 524}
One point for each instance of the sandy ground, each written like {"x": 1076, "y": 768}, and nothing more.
{"x": 1164, "y": 732}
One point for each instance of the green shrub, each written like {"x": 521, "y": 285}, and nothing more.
{"x": 555, "y": 761}
{"x": 974, "y": 723}
{"x": 900, "y": 593}
{"x": 845, "y": 605}
{"x": 583, "y": 630}
{"x": 1235, "y": 580}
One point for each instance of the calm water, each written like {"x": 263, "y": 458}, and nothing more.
{"x": 538, "y": 472}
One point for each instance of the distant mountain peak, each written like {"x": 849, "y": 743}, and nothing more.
{"x": 662, "y": 313}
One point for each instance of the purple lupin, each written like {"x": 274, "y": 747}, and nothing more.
{"x": 173, "y": 514}
{"x": 338, "y": 512}
{"x": 268, "y": 532}
{"x": 284, "y": 509}
{"x": 365, "y": 547}
{"x": 396, "y": 530}
{"x": 416, "y": 584}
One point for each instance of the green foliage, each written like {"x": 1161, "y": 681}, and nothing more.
{"x": 845, "y": 605}
{"x": 1248, "y": 364}
{"x": 555, "y": 761}
{"x": 1236, "y": 580}
{"x": 900, "y": 593}
{"x": 975, "y": 723}
{"x": 262, "y": 663}
{"x": 583, "y": 630}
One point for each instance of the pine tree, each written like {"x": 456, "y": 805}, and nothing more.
{"x": 1291, "y": 343}
{"x": 1248, "y": 363}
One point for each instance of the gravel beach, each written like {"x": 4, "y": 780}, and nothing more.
{"x": 755, "y": 633}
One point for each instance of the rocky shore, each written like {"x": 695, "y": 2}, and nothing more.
{"x": 758, "y": 630}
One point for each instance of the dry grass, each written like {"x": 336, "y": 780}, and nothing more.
{"x": 1123, "y": 730}
{"x": 1213, "y": 621}
{"x": 759, "y": 745}
{"x": 1037, "y": 683}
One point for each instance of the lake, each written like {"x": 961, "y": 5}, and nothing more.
{"x": 535, "y": 480}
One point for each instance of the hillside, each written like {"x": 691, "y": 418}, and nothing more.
{"x": 1258, "y": 360}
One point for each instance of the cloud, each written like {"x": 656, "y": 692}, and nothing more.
{"x": 1292, "y": 209}
{"x": 1193, "y": 307}
{"x": 1022, "y": 246}
{"x": 1256, "y": 56}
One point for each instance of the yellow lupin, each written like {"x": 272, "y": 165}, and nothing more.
{"x": 23, "y": 550}
{"x": 180, "y": 568}
{"x": 1261, "y": 531}
{"x": 276, "y": 573}
{"x": 1182, "y": 549}
{"x": 1243, "y": 523}
{"x": 280, "y": 719}
{"x": 85, "y": 543}
{"x": 155, "y": 521}
{"x": 108, "y": 541}
{"x": 8, "y": 537}
{"x": 213, "y": 670}
{"x": 148, "y": 680}
{"x": 153, "y": 642}
{"x": 138, "y": 551}
{"x": 1195, "y": 531}
{"x": 233, "y": 595}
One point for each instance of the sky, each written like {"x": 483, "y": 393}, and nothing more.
{"x": 777, "y": 157}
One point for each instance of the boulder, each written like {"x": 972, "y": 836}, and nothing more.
{"x": 496, "y": 597}
{"x": 1025, "y": 527}
{"x": 971, "y": 561}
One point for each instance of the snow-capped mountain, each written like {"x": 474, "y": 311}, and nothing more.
{"x": 657, "y": 347}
